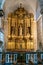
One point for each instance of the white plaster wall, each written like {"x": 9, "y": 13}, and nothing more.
{"x": 37, "y": 10}
{"x": 39, "y": 31}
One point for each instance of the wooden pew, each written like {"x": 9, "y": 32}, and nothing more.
{"x": 39, "y": 61}
{"x": 31, "y": 63}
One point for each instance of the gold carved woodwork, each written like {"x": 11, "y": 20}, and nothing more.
{"x": 19, "y": 29}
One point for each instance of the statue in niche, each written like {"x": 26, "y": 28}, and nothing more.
{"x": 28, "y": 31}
{"x": 20, "y": 30}
{"x": 13, "y": 30}
{"x": 20, "y": 46}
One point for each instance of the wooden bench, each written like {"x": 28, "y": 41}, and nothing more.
{"x": 31, "y": 63}
{"x": 39, "y": 61}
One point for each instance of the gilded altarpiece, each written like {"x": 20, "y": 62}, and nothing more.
{"x": 19, "y": 31}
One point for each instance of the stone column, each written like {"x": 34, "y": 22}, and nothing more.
{"x": 0, "y": 23}
{"x": 42, "y": 28}
{"x": 41, "y": 11}
{"x": 1, "y": 35}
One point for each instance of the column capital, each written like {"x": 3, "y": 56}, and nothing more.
{"x": 41, "y": 6}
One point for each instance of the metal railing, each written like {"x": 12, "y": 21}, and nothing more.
{"x": 8, "y": 58}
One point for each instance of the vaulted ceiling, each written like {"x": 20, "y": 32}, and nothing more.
{"x": 1, "y": 3}
{"x": 11, "y": 5}
{"x": 27, "y": 4}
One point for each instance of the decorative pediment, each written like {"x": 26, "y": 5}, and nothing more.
{"x": 20, "y": 12}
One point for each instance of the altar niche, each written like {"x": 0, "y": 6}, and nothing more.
{"x": 19, "y": 29}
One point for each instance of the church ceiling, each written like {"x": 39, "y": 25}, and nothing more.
{"x": 12, "y": 5}
{"x": 27, "y": 4}
{"x": 1, "y": 3}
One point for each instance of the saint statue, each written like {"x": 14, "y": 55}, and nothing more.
{"x": 20, "y": 30}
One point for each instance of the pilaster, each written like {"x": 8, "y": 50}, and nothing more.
{"x": 41, "y": 11}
